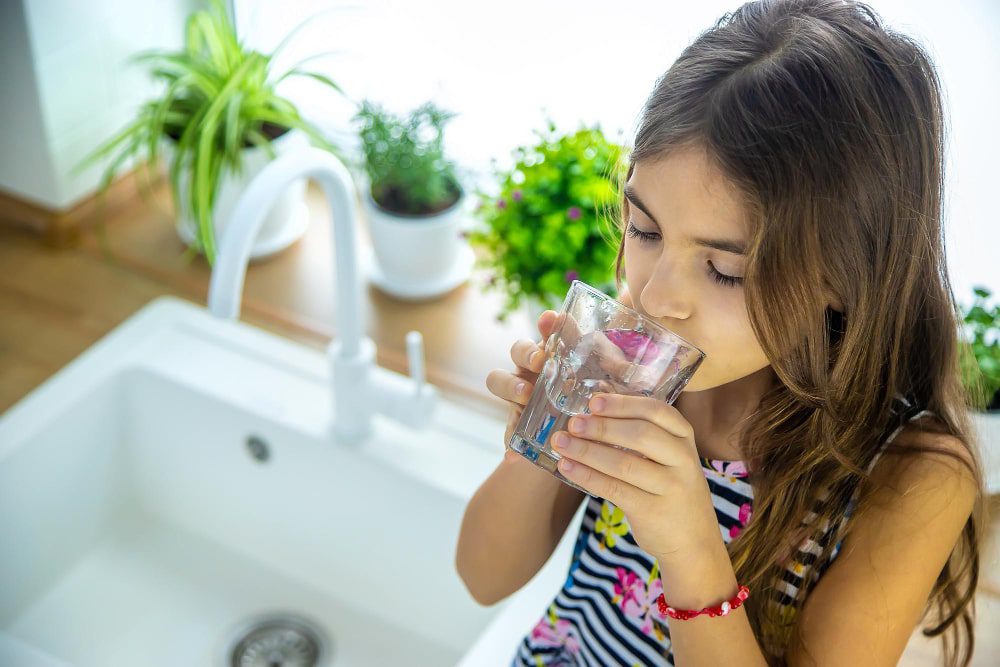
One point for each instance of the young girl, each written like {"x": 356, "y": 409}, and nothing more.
{"x": 782, "y": 211}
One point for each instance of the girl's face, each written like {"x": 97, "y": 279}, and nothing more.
{"x": 683, "y": 262}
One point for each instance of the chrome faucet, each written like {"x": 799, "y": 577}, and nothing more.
{"x": 360, "y": 387}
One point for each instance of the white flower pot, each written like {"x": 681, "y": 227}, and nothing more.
{"x": 418, "y": 256}
{"x": 987, "y": 425}
{"x": 284, "y": 224}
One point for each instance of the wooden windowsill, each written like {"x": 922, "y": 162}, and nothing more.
{"x": 292, "y": 293}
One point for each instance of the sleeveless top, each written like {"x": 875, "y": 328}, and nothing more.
{"x": 605, "y": 614}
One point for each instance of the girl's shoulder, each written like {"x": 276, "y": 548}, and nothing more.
{"x": 898, "y": 543}
{"x": 919, "y": 455}
{"x": 921, "y": 450}
{"x": 922, "y": 439}
{"x": 927, "y": 477}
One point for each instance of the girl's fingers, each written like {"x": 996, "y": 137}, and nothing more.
{"x": 508, "y": 386}
{"x": 602, "y": 485}
{"x": 527, "y": 354}
{"x": 529, "y": 358}
{"x": 616, "y": 462}
{"x": 547, "y": 323}
{"x": 512, "y": 418}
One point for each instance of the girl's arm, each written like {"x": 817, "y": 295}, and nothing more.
{"x": 865, "y": 607}
{"x": 519, "y": 514}
{"x": 511, "y": 527}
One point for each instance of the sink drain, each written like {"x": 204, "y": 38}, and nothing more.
{"x": 279, "y": 641}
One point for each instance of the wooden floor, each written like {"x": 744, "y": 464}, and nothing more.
{"x": 54, "y": 304}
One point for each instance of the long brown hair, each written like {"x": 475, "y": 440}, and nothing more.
{"x": 831, "y": 126}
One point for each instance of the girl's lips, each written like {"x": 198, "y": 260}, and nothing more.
{"x": 632, "y": 342}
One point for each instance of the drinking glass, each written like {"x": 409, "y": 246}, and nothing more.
{"x": 598, "y": 345}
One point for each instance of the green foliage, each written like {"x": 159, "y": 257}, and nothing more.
{"x": 404, "y": 159}
{"x": 219, "y": 98}
{"x": 981, "y": 369}
{"x": 548, "y": 225}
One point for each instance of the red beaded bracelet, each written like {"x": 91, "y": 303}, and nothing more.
{"x": 721, "y": 610}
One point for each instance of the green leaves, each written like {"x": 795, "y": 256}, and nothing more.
{"x": 550, "y": 222}
{"x": 404, "y": 159}
{"x": 217, "y": 101}
{"x": 980, "y": 361}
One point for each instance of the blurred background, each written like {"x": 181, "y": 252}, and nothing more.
{"x": 503, "y": 73}
{"x": 500, "y": 69}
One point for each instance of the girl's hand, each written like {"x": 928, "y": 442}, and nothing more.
{"x": 657, "y": 479}
{"x": 528, "y": 357}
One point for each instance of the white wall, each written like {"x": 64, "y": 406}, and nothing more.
{"x": 25, "y": 164}
{"x": 67, "y": 87}
{"x": 500, "y": 64}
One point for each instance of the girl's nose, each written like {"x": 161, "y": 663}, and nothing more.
{"x": 668, "y": 294}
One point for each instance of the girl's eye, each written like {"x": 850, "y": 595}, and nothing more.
{"x": 649, "y": 237}
{"x": 644, "y": 237}
{"x": 723, "y": 279}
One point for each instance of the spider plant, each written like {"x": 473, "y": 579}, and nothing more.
{"x": 219, "y": 99}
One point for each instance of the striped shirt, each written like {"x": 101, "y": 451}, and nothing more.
{"x": 605, "y": 614}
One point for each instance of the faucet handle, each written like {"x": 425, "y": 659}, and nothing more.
{"x": 415, "y": 358}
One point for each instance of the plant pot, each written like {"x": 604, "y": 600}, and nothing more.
{"x": 416, "y": 257}
{"x": 284, "y": 224}
{"x": 987, "y": 426}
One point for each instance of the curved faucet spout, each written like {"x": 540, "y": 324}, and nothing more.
{"x": 360, "y": 387}
{"x": 226, "y": 288}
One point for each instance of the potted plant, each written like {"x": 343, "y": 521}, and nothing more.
{"x": 413, "y": 200}
{"x": 218, "y": 122}
{"x": 981, "y": 367}
{"x": 980, "y": 372}
{"x": 547, "y": 226}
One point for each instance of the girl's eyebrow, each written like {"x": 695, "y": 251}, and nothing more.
{"x": 725, "y": 245}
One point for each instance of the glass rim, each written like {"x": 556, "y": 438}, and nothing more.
{"x": 639, "y": 316}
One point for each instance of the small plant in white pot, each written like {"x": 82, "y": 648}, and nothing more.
{"x": 218, "y": 122}
{"x": 980, "y": 372}
{"x": 981, "y": 366}
{"x": 414, "y": 202}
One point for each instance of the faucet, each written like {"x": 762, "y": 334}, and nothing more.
{"x": 361, "y": 388}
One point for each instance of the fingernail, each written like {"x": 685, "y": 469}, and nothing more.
{"x": 577, "y": 425}
{"x": 519, "y": 388}
{"x": 534, "y": 357}
{"x": 597, "y": 404}
{"x": 560, "y": 440}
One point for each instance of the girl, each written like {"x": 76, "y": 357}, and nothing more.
{"x": 782, "y": 211}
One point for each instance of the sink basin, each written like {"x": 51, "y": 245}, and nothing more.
{"x": 177, "y": 481}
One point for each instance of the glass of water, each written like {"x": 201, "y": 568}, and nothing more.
{"x": 598, "y": 345}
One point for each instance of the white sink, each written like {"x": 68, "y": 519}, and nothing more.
{"x": 137, "y": 527}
